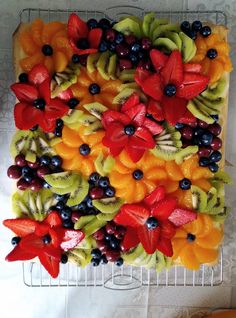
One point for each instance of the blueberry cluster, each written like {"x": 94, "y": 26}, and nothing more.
{"x": 30, "y": 174}
{"x": 192, "y": 29}
{"x": 206, "y": 137}
{"x": 109, "y": 245}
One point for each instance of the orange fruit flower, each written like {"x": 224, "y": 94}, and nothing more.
{"x": 79, "y": 151}
{"x": 133, "y": 181}
{"x": 102, "y": 91}
{"x": 213, "y": 54}
{"x": 45, "y": 43}
{"x": 197, "y": 242}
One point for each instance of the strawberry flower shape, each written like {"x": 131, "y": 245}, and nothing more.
{"x": 83, "y": 40}
{"x": 153, "y": 222}
{"x": 47, "y": 240}
{"x": 35, "y": 105}
{"x": 129, "y": 129}
{"x": 171, "y": 87}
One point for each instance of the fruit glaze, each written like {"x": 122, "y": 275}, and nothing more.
{"x": 118, "y": 150}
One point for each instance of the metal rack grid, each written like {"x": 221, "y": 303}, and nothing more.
{"x": 110, "y": 276}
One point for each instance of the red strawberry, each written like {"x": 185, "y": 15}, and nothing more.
{"x": 130, "y": 102}
{"x": 21, "y": 227}
{"x": 190, "y": 67}
{"x": 141, "y": 75}
{"x": 130, "y": 239}
{"x": 172, "y": 72}
{"x": 70, "y": 238}
{"x": 51, "y": 264}
{"x": 149, "y": 238}
{"x": 164, "y": 246}
{"x": 94, "y": 37}
{"x": 155, "y": 110}
{"x": 32, "y": 243}
{"x": 24, "y": 92}
{"x": 181, "y": 216}
{"x": 153, "y": 86}
{"x": 174, "y": 108}
{"x": 193, "y": 85}
{"x": 158, "y": 58}
{"x": 163, "y": 209}
{"x": 132, "y": 215}
{"x": 18, "y": 254}
{"x": 38, "y": 74}
{"x": 155, "y": 196}
{"x": 53, "y": 219}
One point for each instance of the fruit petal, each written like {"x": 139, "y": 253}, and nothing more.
{"x": 133, "y": 215}
{"x": 21, "y": 227}
{"x": 131, "y": 238}
{"x": 50, "y": 263}
{"x": 148, "y": 238}
{"x": 24, "y": 92}
{"x": 193, "y": 85}
{"x": 130, "y": 102}
{"x": 164, "y": 245}
{"x": 153, "y": 127}
{"x": 172, "y": 72}
{"x": 191, "y": 67}
{"x": 55, "y": 109}
{"x": 152, "y": 86}
{"x": 44, "y": 90}
{"x": 141, "y": 75}
{"x": 38, "y": 74}
{"x": 155, "y": 109}
{"x": 135, "y": 153}
{"x": 159, "y": 59}
{"x": 70, "y": 238}
{"x": 17, "y": 254}
{"x": 174, "y": 108}
{"x": 181, "y": 216}
{"x": 142, "y": 139}
{"x": 32, "y": 243}
{"x": 77, "y": 28}
{"x": 155, "y": 196}
{"x": 94, "y": 37}
{"x": 111, "y": 116}
{"x": 26, "y": 116}
{"x": 137, "y": 114}
{"x": 163, "y": 209}
{"x": 53, "y": 219}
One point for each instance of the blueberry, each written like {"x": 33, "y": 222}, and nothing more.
{"x": 47, "y": 239}
{"x": 26, "y": 170}
{"x": 103, "y": 46}
{"x": 136, "y": 47}
{"x": 92, "y": 23}
{"x": 170, "y": 90}
{"x": 61, "y": 197}
{"x": 66, "y": 213}
{"x": 129, "y": 130}
{"x": 185, "y": 184}
{"x": 23, "y": 78}
{"x": 185, "y": 25}
{"x": 198, "y": 131}
{"x": 110, "y": 192}
{"x": 47, "y": 50}
{"x": 204, "y": 161}
{"x": 205, "y": 31}
{"x": 152, "y": 223}
{"x": 89, "y": 203}
{"x": 94, "y": 89}
{"x": 114, "y": 242}
{"x": 137, "y": 174}
{"x": 119, "y": 38}
{"x": 58, "y": 132}
{"x": 191, "y": 237}
{"x": 60, "y": 205}
{"x": 73, "y": 102}
{"x": 192, "y": 34}
{"x": 133, "y": 58}
{"x": 103, "y": 182}
{"x": 28, "y": 177}
{"x": 96, "y": 253}
{"x": 15, "y": 240}
{"x": 104, "y": 24}
{"x": 112, "y": 47}
{"x": 104, "y": 260}
{"x": 179, "y": 126}
{"x": 46, "y": 185}
{"x": 197, "y": 25}
{"x": 119, "y": 262}
{"x": 215, "y": 117}
{"x": 64, "y": 258}
{"x": 216, "y": 156}
{"x": 34, "y": 128}
{"x": 206, "y": 139}
{"x": 59, "y": 123}
{"x": 94, "y": 177}
{"x": 213, "y": 167}
{"x": 82, "y": 44}
{"x": 39, "y": 103}
{"x": 95, "y": 262}
{"x": 82, "y": 206}
{"x": 56, "y": 161}
{"x": 45, "y": 160}
{"x": 75, "y": 58}
{"x": 108, "y": 237}
{"x": 84, "y": 150}
{"x": 68, "y": 224}
{"x": 212, "y": 54}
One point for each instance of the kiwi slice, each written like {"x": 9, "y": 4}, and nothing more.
{"x": 96, "y": 109}
{"x": 129, "y": 26}
{"x": 18, "y": 142}
{"x": 93, "y": 128}
{"x": 87, "y": 120}
{"x": 92, "y": 226}
{"x": 188, "y": 47}
{"x": 160, "y": 261}
{"x": 79, "y": 257}
{"x": 132, "y": 85}
{"x": 87, "y": 243}
{"x": 220, "y": 217}
{"x": 217, "y": 90}
{"x": 214, "y": 104}
{"x": 199, "y": 199}
{"x": 123, "y": 96}
{"x": 219, "y": 206}
{"x": 127, "y": 75}
{"x": 72, "y": 117}
{"x": 104, "y": 165}
{"x": 199, "y": 113}
{"x": 168, "y": 262}
{"x": 165, "y": 44}
{"x": 222, "y": 177}
{"x": 108, "y": 205}
{"x": 160, "y": 31}
{"x": 83, "y": 220}
{"x": 133, "y": 254}
{"x": 148, "y": 19}
{"x": 106, "y": 217}
{"x": 18, "y": 205}
{"x": 211, "y": 198}
{"x": 92, "y": 61}
{"x": 61, "y": 179}
{"x": 102, "y": 65}
{"x": 174, "y": 37}
{"x": 79, "y": 193}
{"x": 205, "y": 108}
{"x": 185, "y": 153}
{"x": 155, "y": 24}
{"x": 112, "y": 66}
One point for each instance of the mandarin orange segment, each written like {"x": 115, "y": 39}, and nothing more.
{"x": 174, "y": 171}
{"x": 156, "y": 174}
{"x": 188, "y": 166}
{"x": 83, "y": 79}
{"x": 211, "y": 40}
{"x": 222, "y": 48}
{"x": 178, "y": 245}
{"x": 64, "y": 151}
{"x": 216, "y": 70}
{"x": 79, "y": 92}
{"x": 73, "y": 164}
{"x": 207, "y": 225}
{"x": 126, "y": 161}
{"x": 171, "y": 186}
{"x": 48, "y": 62}
{"x": 180, "y": 234}
{"x": 205, "y": 255}
{"x": 150, "y": 185}
{"x": 93, "y": 139}
{"x": 203, "y": 184}
{"x": 50, "y": 29}
{"x": 84, "y": 100}
{"x": 200, "y": 43}
{"x": 60, "y": 61}
{"x": 87, "y": 167}
{"x": 120, "y": 180}
{"x": 106, "y": 100}
{"x": 150, "y": 160}
{"x": 187, "y": 199}
{"x": 188, "y": 257}
{"x": 206, "y": 63}
{"x": 111, "y": 87}
{"x": 36, "y": 31}
{"x": 211, "y": 240}
{"x": 119, "y": 167}
{"x": 196, "y": 226}
{"x": 98, "y": 78}
{"x": 198, "y": 57}
{"x": 27, "y": 42}
{"x": 199, "y": 173}
{"x": 71, "y": 138}
{"x": 62, "y": 44}
{"x": 29, "y": 62}
{"x": 140, "y": 191}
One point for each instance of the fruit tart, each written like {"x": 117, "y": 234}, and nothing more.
{"x": 119, "y": 151}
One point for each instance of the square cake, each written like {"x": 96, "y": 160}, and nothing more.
{"x": 119, "y": 148}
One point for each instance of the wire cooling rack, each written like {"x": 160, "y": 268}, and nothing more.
{"x": 111, "y": 276}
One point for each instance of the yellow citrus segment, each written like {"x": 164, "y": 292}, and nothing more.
{"x": 188, "y": 258}
{"x": 173, "y": 171}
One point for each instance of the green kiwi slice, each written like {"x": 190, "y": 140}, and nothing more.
{"x": 108, "y": 205}
{"x": 199, "y": 199}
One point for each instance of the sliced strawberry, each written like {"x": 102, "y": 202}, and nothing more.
{"x": 51, "y": 251}
{"x": 174, "y": 108}
{"x": 32, "y": 243}
{"x": 26, "y": 116}
{"x": 172, "y": 72}
{"x": 168, "y": 230}
{"x": 17, "y": 254}
{"x": 115, "y": 135}
{"x": 142, "y": 139}
{"x": 42, "y": 229}
{"x": 130, "y": 102}
{"x": 152, "y": 86}
{"x": 141, "y": 75}
{"x": 190, "y": 67}
{"x": 70, "y": 239}
{"x": 137, "y": 114}
{"x": 155, "y": 109}
{"x": 38, "y": 74}
{"x": 24, "y": 92}
{"x": 111, "y": 116}
{"x": 133, "y": 215}
{"x": 158, "y": 58}
{"x": 94, "y": 37}
{"x": 51, "y": 264}
{"x": 21, "y": 227}
{"x": 163, "y": 209}
{"x": 55, "y": 109}
{"x": 193, "y": 85}
{"x": 66, "y": 95}
{"x": 152, "y": 126}
{"x": 55, "y": 238}
{"x": 77, "y": 28}
{"x": 53, "y": 219}
{"x": 149, "y": 238}
{"x": 187, "y": 118}
{"x": 47, "y": 125}
{"x": 155, "y": 196}
{"x": 164, "y": 245}
{"x": 181, "y": 216}
{"x": 131, "y": 239}
{"x": 44, "y": 90}
{"x": 135, "y": 153}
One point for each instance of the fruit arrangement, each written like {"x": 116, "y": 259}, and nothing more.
{"x": 119, "y": 149}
